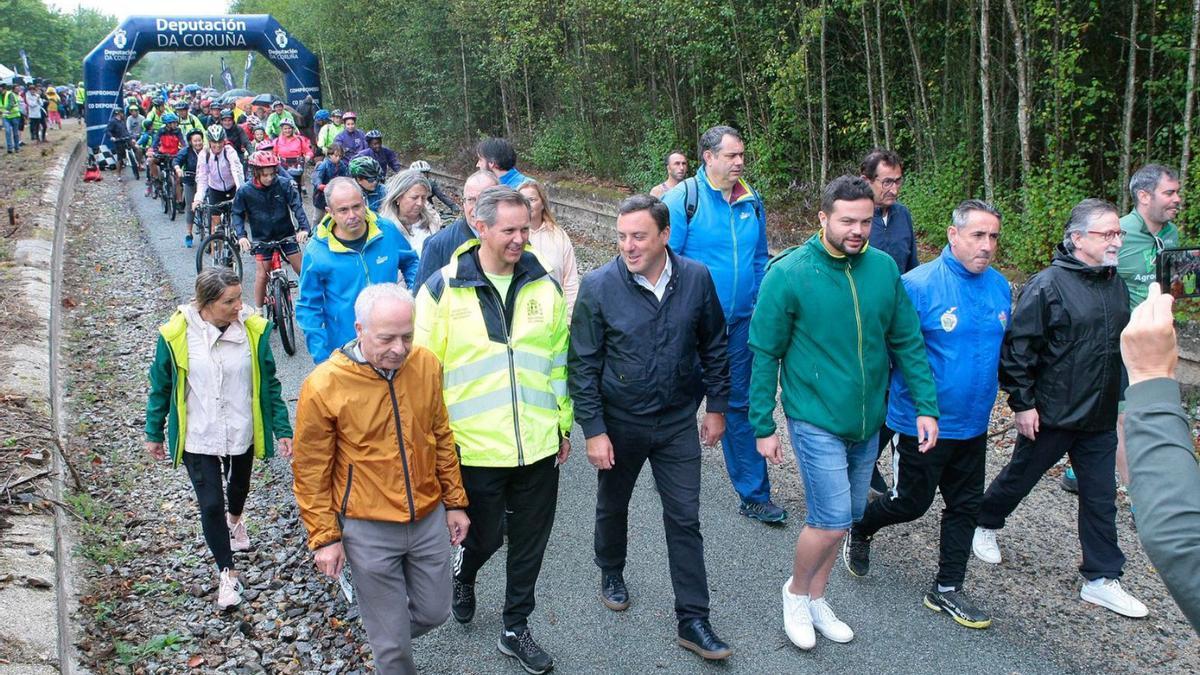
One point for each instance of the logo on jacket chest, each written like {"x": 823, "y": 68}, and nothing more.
{"x": 1003, "y": 319}
{"x": 950, "y": 319}
{"x": 533, "y": 311}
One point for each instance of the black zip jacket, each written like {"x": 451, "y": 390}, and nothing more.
{"x": 633, "y": 356}
{"x": 1062, "y": 352}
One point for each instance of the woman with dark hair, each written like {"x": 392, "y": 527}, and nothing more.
{"x": 213, "y": 386}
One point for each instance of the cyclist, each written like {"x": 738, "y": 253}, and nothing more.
{"x": 142, "y": 145}
{"x": 187, "y": 121}
{"x": 158, "y": 109}
{"x": 366, "y": 172}
{"x": 329, "y": 132}
{"x": 219, "y": 173}
{"x": 277, "y": 116}
{"x": 119, "y": 133}
{"x": 436, "y": 189}
{"x": 260, "y": 214}
{"x": 352, "y": 138}
{"x": 384, "y": 155}
{"x": 185, "y": 169}
{"x": 292, "y": 149}
{"x": 166, "y": 144}
{"x": 333, "y": 166}
{"x": 320, "y": 121}
{"x": 233, "y": 133}
{"x": 248, "y": 123}
{"x": 258, "y": 136}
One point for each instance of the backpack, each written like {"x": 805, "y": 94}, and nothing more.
{"x": 691, "y": 200}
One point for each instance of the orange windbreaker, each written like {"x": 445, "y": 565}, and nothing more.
{"x": 349, "y": 460}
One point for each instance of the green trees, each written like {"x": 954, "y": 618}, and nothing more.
{"x": 1036, "y": 106}
{"x": 55, "y": 43}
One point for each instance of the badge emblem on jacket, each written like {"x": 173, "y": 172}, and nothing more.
{"x": 535, "y": 311}
{"x": 1004, "y": 319}
{"x": 949, "y": 320}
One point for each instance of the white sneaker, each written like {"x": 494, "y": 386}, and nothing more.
{"x": 230, "y": 591}
{"x": 984, "y": 545}
{"x": 797, "y": 620}
{"x": 824, "y": 620}
{"x": 1110, "y": 595}
{"x": 239, "y": 539}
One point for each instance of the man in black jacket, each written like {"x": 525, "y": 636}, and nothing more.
{"x": 647, "y": 344}
{"x": 1061, "y": 366}
{"x": 439, "y": 248}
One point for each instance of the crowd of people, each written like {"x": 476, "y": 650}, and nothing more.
{"x": 37, "y": 106}
{"x": 452, "y": 364}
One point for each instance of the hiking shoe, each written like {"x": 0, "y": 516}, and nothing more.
{"x": 1069, "y": 482}
{"x": 698, "y": 636}
{"x": 825, "y": 621}
{"x": 613, "y": 592}
{"x": 187, "y": 240}
{"x": 797, "y": 618}
{"x": 229, "y": 591}
{"x": 1109, "y": 595}
{"x": 984, "y": 545}
{"x": 463, "y": 606}
{"x": 522, "y": 647}
{"x": 856, "y": 553}
{"x": 239, "y": 539}
{"x": 958, "y": 606}
{"x": 764, "y": 512}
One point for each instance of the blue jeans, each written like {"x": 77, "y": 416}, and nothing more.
{"x": 747, "y": 469}
{"x": 12, "y": 133}
{"x": 836, "y": 474}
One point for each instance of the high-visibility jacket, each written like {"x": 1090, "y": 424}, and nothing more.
{"x": 504, "y": 362}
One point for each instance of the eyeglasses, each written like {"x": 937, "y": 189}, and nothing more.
{"x": 890, "y": 183}
{"x": 1109, "y": 236}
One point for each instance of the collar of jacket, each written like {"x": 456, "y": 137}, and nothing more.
{"x": 740, "y": 193}
{"x": 325, "y": 232}
{"x": 1143, "y": 229}
{"x": 956, "y": 265}
{"x": 352, "y": 350}
{"x": 1067, "y": 260}
{"x": 839, "y": 260}
{"x": 628, "y": 276}
{"x": 469, "y": 271}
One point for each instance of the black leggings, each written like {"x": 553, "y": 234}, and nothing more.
{"x": 206, "y": 472}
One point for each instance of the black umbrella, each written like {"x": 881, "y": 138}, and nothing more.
{"x": 234, "y": 94}
{"x": 263, "y": 100}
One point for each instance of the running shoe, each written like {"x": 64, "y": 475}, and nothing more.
{"x": 960, "y": 608}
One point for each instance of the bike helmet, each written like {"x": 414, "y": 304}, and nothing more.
{"x": 147, "y": 124}
{"x": 349, "y": 115}
{"x": 276, "y": 103}
{"x": 253, "y": 121}
{"x": 365, "y": 168}
{"x": 267, "y": 145}
{"x": 157, "y": 100}
{"x": 373, "y": 134}
{"x": 322, "y": 115}
{"x": 135, "y": 109}
{"x": 227, "y": 114}
{"x": 216, "y": 133}
{"x": 181, "y": 105}
{"x": 193, "y": 132}
{"x": 204, "y": 103}
{"x": 288, "y": 121}
{"x": 263, "y": 159}
{"x": 420, "y": 165}
{"x": 336, "y": 112}
{"x": 169, "y": 118}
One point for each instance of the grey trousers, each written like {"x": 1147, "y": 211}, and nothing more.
{"x": 402, "y": 583}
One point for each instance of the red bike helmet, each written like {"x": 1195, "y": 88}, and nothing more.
{"x": 263, "y": 159}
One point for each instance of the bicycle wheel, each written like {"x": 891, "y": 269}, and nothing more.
{"x": 172, "y": 206}
{"x": 218, "y": 251}
{"x": 283, "y": 314}
{"x": 131, "y": 157}
{"x": 160, "y": 187}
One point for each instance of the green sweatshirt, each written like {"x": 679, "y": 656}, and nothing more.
{"x": 1135, "y": 262}
{"x": 832, "y": 322}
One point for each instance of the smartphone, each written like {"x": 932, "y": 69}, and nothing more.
{"x": 1176, "y": 271}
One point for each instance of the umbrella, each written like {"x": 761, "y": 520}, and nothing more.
{"x": 192, "y": 88}
{"x": 264, "y": 100}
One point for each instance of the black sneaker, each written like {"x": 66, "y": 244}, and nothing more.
{"x": 1069, "y": 482}
{"x": 463, "y": 606}
{"x": 613, "y": 592}
{"x": 697, "y": 635}
{"x": 522, "y": 647}
{"x": 764, "y": 512}
{"x": 958, "y": 606}
{"x": 856, "y": 553}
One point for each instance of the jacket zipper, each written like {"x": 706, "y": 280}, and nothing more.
{"x": 736, "y": 266}
{"x": 346, "y": 495}
{"x": 512, "y": 376}
{"x": 862, "y": 369}
{"x": 412, "y": 508}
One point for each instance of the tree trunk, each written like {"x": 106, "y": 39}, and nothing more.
{"x": 462, "y": 51}
{"x": 1190, "y": 94}
{"x": 824, "y": 105}
{"x": 1146, "y": 85}
{"x": 926, "y": 128}
{"x": 504, "y": 107}
{"x": 1022, "y": 91}
{"x": 812, "y": 128}
{"x": 883, "y": 93}
{"x": 870, "y": 78}
{"x": 1127, "y": 118}
{"x": 528, "y": 100}
{"x": 989, "y": 187}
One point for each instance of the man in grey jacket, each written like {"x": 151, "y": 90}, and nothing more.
{"x": 1165, "y": 478}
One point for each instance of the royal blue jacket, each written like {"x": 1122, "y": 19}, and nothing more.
{"x": 730, "y": 238}
{"x": 513, "y": 178}
{"x": 325, "y": 172}
{"x": 963, "y": 318}
{"x": 332, "y": 275}
{"x": 896, "y": 238}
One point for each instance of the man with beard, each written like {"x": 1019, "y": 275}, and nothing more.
{"x": 677, "y": 168}
{"x": 1061, "y": 366}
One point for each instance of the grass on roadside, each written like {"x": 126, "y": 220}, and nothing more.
{"x": 101, "y": 531}
{"x": 129, "y": 654}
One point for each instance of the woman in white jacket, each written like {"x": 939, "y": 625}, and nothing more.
{"x": 551, "y": 242}
{"x": 406, "y": 204}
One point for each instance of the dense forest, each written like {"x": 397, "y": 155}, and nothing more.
{"x": 1034, "y": 104}
{"x": 54, "y": 41}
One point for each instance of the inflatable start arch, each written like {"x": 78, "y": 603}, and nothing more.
{"x": 104, "y": 69}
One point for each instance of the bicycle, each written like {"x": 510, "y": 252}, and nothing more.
{"x": 278, "y": 301}
{"x": 218, "y": 248}
{"x": 164, "y": 186}
{"x": 295, "y": 170}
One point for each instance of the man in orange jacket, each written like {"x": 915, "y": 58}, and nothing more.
{"x": 376, "y": 475}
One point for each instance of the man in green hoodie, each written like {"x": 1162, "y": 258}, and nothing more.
{"x": 830, "y": 313}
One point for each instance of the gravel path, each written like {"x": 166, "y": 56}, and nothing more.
{"x": 149, "y": 596}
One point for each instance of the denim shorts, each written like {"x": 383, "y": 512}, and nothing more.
{"x": 836, "y": 474}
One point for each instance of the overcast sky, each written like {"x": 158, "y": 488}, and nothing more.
{"x": 124, "y": 8}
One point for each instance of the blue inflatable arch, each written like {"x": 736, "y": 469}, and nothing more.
{"x": 104, "y": 69}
